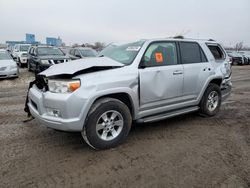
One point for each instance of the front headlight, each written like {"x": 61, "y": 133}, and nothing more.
{"x": 45, "y": 62}
{"x": 62, "y": 86}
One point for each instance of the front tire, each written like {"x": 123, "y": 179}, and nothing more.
{"x": 211, "y": 100}
{"x": 108, "y": 124}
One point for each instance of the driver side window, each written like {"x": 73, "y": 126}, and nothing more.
{"x": 160, "y": 54}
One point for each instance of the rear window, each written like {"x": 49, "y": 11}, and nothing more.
{"x": 216, "y": 51}
{"x": 191, "y": 52}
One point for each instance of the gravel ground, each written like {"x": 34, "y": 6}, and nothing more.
{"x": 186, "y": 151}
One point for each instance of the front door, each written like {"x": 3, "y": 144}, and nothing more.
{"x": 161, "y": 76}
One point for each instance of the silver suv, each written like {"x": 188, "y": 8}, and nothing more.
{"x": 143, "y": 81}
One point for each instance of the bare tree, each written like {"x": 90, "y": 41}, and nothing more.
{"x": 75, "y": 45}
{"x": 239, "y": 46}
{"x": 99, "y": 46}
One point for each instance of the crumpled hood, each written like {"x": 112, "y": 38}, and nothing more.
{"x": 73, "y": 67}
{"x": 7, "y": 62}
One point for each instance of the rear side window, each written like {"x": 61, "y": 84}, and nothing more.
{"x": 160, "y": 54}
{"x": 191, "y": 52}
{"x": 216, "y": 51}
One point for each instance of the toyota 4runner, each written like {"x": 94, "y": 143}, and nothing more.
{"x": 143, "y": 81}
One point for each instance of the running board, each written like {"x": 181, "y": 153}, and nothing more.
{"x": 167, "y": 115}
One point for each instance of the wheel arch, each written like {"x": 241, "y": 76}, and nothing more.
{"x": 123, "y": 97}
{"x": 214, "y": 80}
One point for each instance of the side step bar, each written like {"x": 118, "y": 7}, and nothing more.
{"x": 167, "y": 115}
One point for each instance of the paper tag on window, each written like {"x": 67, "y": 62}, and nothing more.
{"x": 133, "y": 48}
{"x": 158, "y": 57}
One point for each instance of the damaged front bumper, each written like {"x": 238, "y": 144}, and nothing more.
{"x": 57, "y": 111}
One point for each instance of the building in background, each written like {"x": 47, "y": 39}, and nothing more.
{"x": 54, "y": 41}
{"x": 30, "y": 38}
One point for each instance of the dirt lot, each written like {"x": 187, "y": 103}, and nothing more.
{"x": 186, "y": 151}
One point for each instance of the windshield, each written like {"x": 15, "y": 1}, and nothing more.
{"x": 49, "y": 51}
{"x": 88, "y": 53}
{"x": 4, "y": 56}
{"x": 124, "y": 54}
{"x": 24, "y": 48}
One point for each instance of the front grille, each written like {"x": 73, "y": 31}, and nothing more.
{"x": 2, "y": 68}
{"x": 57, "y": 61}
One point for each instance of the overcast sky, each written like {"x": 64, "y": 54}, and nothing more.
{"x": 81, "y": 21}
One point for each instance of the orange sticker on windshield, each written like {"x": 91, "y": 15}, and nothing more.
{"x": 159, "y": 57}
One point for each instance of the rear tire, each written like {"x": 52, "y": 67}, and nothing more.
{"x": 211, "y": 100}
{"x": 108, "y": 124}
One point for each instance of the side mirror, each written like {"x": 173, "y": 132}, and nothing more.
{"x": 142, "y": 64}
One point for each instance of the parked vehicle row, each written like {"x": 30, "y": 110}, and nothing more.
{"x": 239, "y": 58}
{"x": 39, "y": 57}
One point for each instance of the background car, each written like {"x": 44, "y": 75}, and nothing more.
{"x": 8, "y": 67}
{"x": 246, "y": 55}
{"x": 237, "y": 58}
{"x": 42, "y": 57}
{"x": 20, "y": 54}
{"x": 81, "y": 52}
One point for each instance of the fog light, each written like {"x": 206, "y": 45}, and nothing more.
{"x": 53, "y": 112}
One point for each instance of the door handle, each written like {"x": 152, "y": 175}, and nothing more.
{"x": 177, "y": 72}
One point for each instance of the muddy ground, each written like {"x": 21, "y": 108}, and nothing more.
{"x": 186, "y": 151}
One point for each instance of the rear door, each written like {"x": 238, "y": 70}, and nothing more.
{"x": 161, "y": 75}
{"x": 197, "y": 69}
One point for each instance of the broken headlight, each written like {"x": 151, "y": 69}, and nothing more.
{"x": 63, "y": 86}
